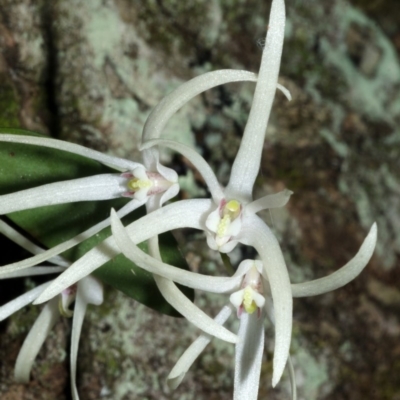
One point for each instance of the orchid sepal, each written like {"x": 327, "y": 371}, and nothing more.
{"x": 343, "y": 275}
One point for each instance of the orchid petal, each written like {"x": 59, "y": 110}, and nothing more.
{"x": 21, "y": 301}
{"x": 228, "y": 246}
{"x": 246, "y": 265}
{"x": 19, "y": 239}
{"x": 197, "y": 160}
{"x": 117, "y": 163}
{"x": 181, "y": 303}
{"x": 247, "y": 162}
{"x": 89, "y": 292}
{"x": 174, "y": 296}
{"x": 276, "y": 200}
{"x": 33, "y": 271}
{"x": 191, "y": 312}
{"x": 34, "y": 340}
{"x": 236, "y": 298}
{"x": 193, "y": 351}
{"x": 292, "y": 377}
{"x": 26, "y": 244}
{"x": 168, "y": 173}
{"x": 257, "y": 234}
{"x": 153, "y": 204}
{"x": 77, "y": 322}
{"x": 285, "y": 91}
{"x": 248, "y": 357}
{"x": 151, "y": 158}
{"x": 186, "y": 213}
{"x": 98, "y": 187}
{"x": 191, "y": 279}
{"x": 51, "y": 253}
{"x": 170, "y": 104}
{"x": 343, "y": 275}
{"x": 169, "y": 193}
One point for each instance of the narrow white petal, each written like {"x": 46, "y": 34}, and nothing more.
{"x": 98, "y": 187}
{"x": 182, "y": 304}
{"x": 248, "y": 357}
{"x": 191, "y": 312}
{"x": 193, "y": 351}
{"x": 153, "y": 204}
{"x": 257, "y": 234}
{"x": 33, "y": 271}
{"x": 168, "y": 173}
{"x": 77, "y": 321}
{"x": 119, "y": 164}
{"x": 19, "y": 239}
{"x": 26, "y": 244}
{"x": 169, "y": 193}
{"x": 21, "y": 301}
{"x": 151, "y": 158}
{"x": 343, "y": 275}
{"x": 185, "y": 213}
{"x": 148, "y": 263}
{"x": 292, "y": 377}
{"x": 51, "y": 254}
{"x": 34, "y": 341}
{"x": 246, "y": 265}
{"x": 247, "y": 162}
{"x": 197, "y": 160}
{"x": 170, "y": 104}
{"x": 90, "y": 291}
{"x": 270, "y": 201}
{"x": 236, "y": 298}
{"x": 285, "y": 91}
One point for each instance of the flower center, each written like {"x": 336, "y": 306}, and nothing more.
{"x": 250, "y": 297}
{"x": 229, "y": 212}
{"x": 137, "y": 184}
{"x": 141, "y": 183}
{"x": 249, "y": 304}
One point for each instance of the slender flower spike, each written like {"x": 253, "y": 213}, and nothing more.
{"x": 251, "y": 295}
{"x": 87, "y": 291}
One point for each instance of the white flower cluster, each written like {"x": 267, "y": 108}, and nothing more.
{"x": 259, "y": 288}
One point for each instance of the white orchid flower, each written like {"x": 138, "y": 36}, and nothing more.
{"x": 131, "y": 180}
{"x": 235, "y": 202}
{"x": 250, "y": 290}
{"x": 234, "y": 205}
{"x": 87, "y": 291}
{"x": 230, "y": 217}
{"x": 233, "y": 217}
{"x": 152, "y": 183}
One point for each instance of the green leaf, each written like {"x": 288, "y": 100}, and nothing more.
{"x": 26, "y": 166}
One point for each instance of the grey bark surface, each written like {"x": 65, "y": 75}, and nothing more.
{"x": 91, "y": 71}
